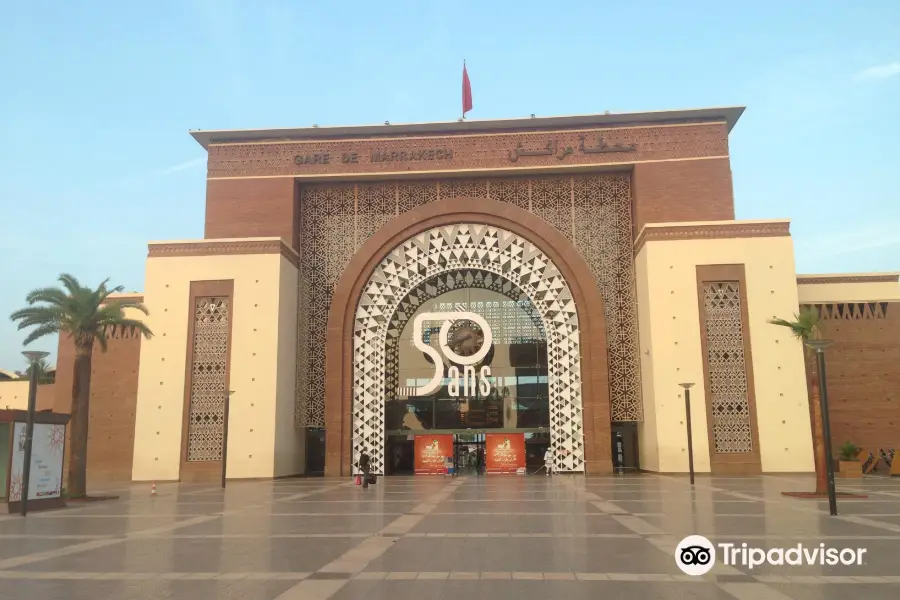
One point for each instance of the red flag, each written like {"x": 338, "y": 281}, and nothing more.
{"x": 467, "y": 92}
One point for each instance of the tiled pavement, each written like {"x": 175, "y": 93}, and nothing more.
{"x": 469, "y": 537}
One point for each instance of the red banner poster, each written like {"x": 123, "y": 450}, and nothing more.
{"x": 431, "y": 452}
{"x": 505, "y": 452}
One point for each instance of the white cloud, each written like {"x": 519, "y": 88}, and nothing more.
{"x": 183, "y": 166}
{"x": 879, "y": 72}
{"x": 158, "y": 173}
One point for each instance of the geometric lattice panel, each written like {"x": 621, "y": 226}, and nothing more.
{"x": 207, "y": 408}
{"x": 727, "y": 368}
{"x": 593, "y": 211}
{"x": 851, "y": 311}
{"x": 449, "y": 249}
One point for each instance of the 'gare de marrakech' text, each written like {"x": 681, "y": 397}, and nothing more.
{"x": 377, "y": 156}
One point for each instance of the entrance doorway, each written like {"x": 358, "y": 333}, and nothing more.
{"x": 468, "y": 452}
{"x": 400, "y": 453}
{"x": 471, "y": 452}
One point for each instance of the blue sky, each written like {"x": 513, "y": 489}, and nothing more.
{"x": 96, "y": 99}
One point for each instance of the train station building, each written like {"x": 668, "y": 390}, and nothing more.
{"x": 482, "y": 290}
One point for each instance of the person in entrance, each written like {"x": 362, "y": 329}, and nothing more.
{"x": 548, "y": 460}
{"x": 365, "y": 465}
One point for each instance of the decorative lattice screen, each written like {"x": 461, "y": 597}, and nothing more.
{"x": 210, "y": 353}
{"x": 727, "y": 368}
{"x": 592, "y": 211}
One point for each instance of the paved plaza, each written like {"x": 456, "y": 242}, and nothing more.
{"x": 433, "y": 537}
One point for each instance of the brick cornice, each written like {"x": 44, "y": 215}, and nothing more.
{"x": 874, "y": 278}
{"x": 711, "y": 231}
{"x": 223, "y": 247}
{"x": 567, "y": 148}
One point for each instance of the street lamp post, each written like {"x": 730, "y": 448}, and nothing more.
{"x": 225, "y": 435}
{"x": 33, "y": 357}
{"x": 690, "y": 438}
{"x": 819, "y": 347}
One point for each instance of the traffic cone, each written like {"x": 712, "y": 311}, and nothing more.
{"x": 153, "y": 490}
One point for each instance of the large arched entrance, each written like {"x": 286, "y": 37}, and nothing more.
{"x": 446, "y": 238}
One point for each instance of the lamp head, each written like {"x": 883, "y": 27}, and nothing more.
{"x": 818, "y": 345}
{"x": 35, "y": 355}
{"x": 686, "y": 386}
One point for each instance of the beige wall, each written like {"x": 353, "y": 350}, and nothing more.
{"x": 671, "y": 351}
{"x": 290, "y": 442}
{"x": 262, "y": 365}
{"x": 647, "y": 435}
{"x": 14, "y": 394}
{"x": 821, "y": 293}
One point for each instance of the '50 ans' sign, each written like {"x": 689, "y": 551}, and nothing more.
{"x": 468, "y": 362}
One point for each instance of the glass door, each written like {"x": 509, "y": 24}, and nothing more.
{"x": 469, "y": 453}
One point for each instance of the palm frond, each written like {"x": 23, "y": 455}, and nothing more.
{"x": 72, "y": 285}
{"x": 39, "y": 332}
{"x": 49, "y": 295}
{"x": 805, "y": 325}
{"x": 41, "y": 366}
{"x": 130, "y": 303}
{"x": 82, "y": 312}
{"x": 104, "y": 292}
{"x": 102, "y": 337}
{"x": 38, "y": 315}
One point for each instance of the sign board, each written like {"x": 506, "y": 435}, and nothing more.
{"x": 45, "y": 480}
{"x": 431, "y": 451}
{"x": 470, "y": 383}
{"x": 505, "y": 452}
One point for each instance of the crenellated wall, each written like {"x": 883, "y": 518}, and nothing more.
{"x": 114, "y": 377}
{"x": 860, "y": 314}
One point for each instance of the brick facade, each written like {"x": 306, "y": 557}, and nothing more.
{"x": 863, "y": 370}
{"x": 242, "y": 208}
{"x": 114, "y": 383}
{"x": 682, "y": 191}
{"x": 680, "y": 172}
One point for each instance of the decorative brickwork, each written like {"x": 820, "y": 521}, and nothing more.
{"x": 852, "y": 311}
{"x": 468, "y": 152}
{"x": 826, "y": 279}
{"x": 218, "y": 247}
{"x": 712, "y": 231}
{"x": 592, "y": 211}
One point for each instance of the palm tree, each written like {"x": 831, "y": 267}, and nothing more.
{"x": 806, "y": 327}
{"x": 86, "y": 315}
{"x": 42, "y": 366}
